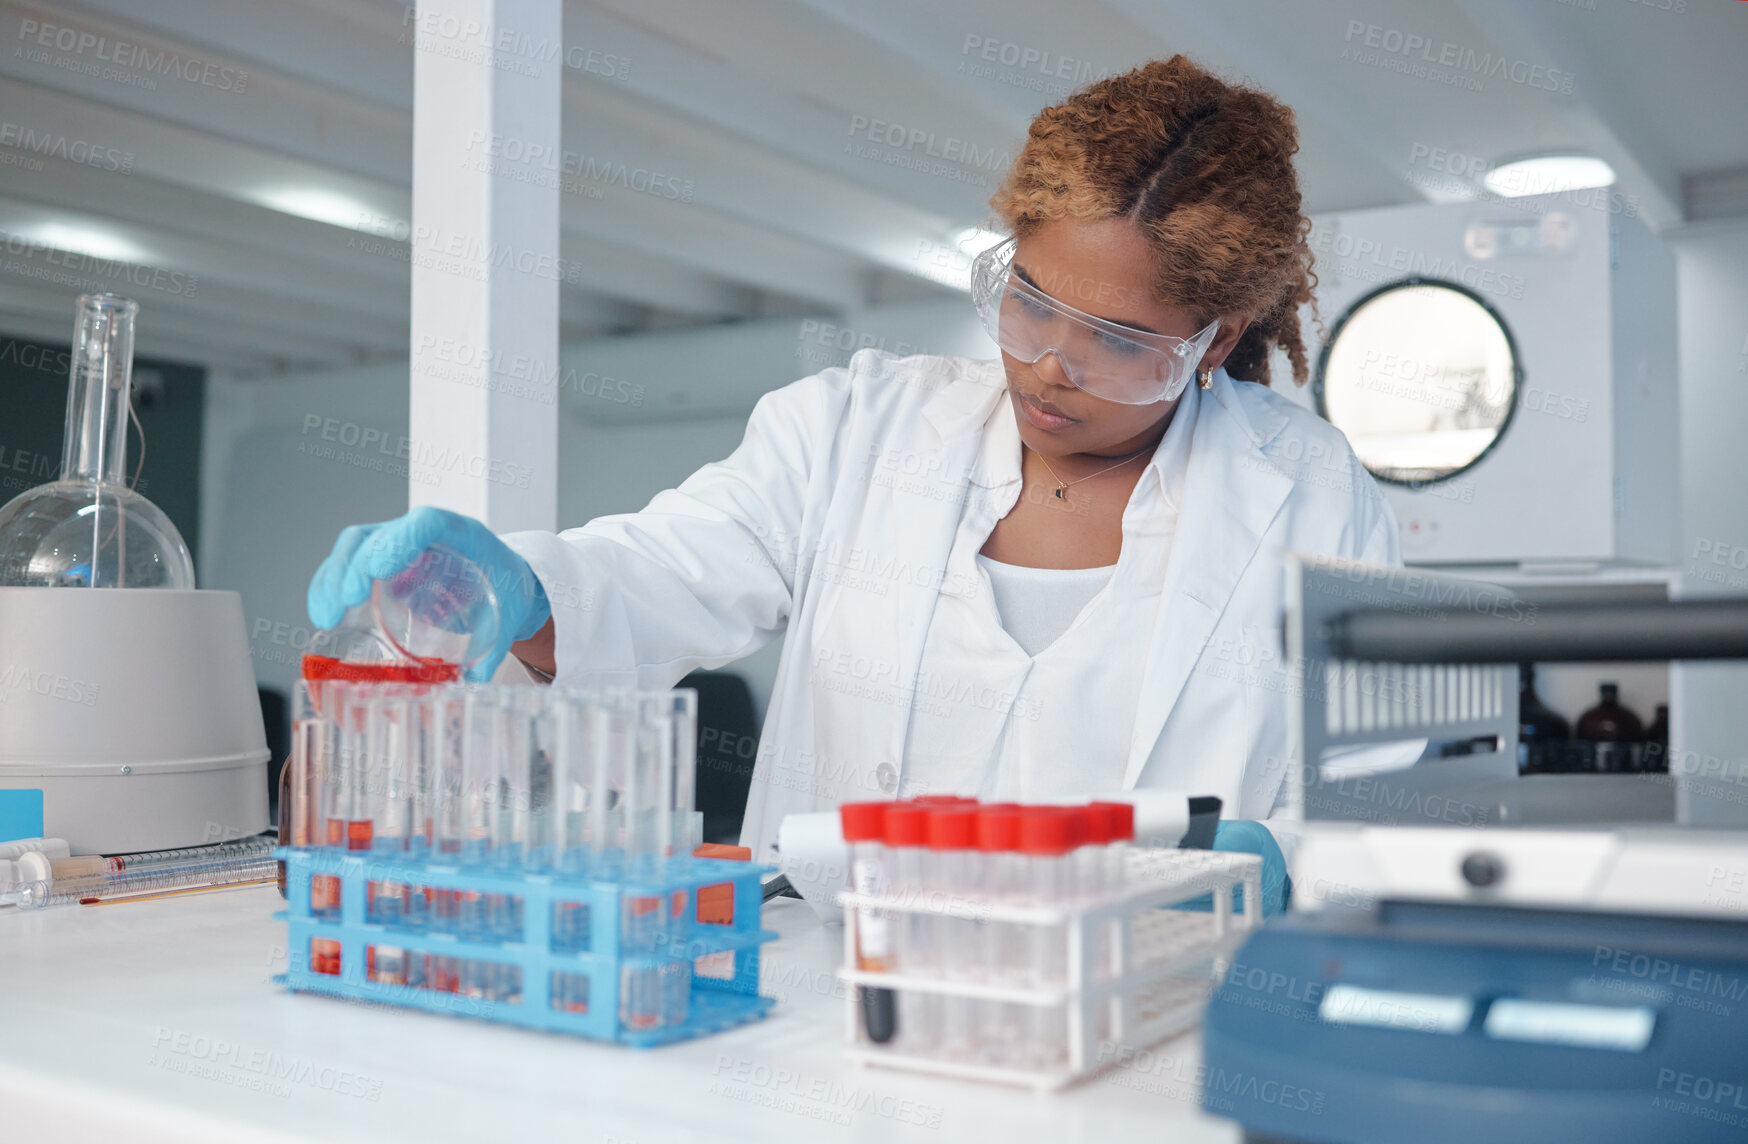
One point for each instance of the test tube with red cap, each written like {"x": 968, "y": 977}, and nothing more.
{"x": 864, "y": 825}
{"x": 1102, "y": 877}
{"x": 999, "y": 1025}
{"x": 1089, "y": 860}
{"x": 1048, "y": 838}
{"x": 1121, "y": 816}
{"x": 952, "y": 845}
{"x": 907, "y": 836}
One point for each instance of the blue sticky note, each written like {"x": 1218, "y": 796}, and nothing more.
{"x": 20, "y": 814}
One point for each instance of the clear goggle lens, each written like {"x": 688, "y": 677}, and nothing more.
{"x": 1108, "y": 360}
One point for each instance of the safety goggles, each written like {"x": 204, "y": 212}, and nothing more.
{"x": 1110, "y": 361}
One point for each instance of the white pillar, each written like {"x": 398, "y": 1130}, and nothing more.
{"x": 484, "y": 377}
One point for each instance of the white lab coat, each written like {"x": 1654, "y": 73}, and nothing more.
{"x": 832, "y": 521}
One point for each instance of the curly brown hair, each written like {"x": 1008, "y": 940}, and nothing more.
{"x": 1205, "y": 169}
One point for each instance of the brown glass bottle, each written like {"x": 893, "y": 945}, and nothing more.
{"x": 1541, "y": 730}
{"x": 1615, "y": 730}
{"x": 1657, "y": 741}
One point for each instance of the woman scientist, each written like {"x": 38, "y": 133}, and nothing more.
{"x": 1048, "y": 576}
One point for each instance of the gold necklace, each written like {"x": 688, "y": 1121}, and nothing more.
{"x": 1062, "y": 485}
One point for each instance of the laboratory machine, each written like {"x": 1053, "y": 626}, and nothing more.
{"x": 129, "y": 719}
{"x": 1506, "y": 369}
{"x": 1472, "y": 954}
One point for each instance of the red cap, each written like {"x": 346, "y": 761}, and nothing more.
{"x": 1122, "y": 819}
{"x": 1101, "y": 823}
{"x": 1051, "y": 830}
{"x": 953, "y": 827}
{"x": 863, "y": 821}
{"x": 998, "y": 827}
{"x": 942, "y": 800}
{"x": 907, "y": 825}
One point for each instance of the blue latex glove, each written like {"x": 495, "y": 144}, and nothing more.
{"x": 365, "y": 553}
{"x": 1243, "y": 836}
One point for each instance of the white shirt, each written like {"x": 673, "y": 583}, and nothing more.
{"x": 835, "y": 521}
{"x": 1036, "y": 605}
{"x": 1058, "y": 722}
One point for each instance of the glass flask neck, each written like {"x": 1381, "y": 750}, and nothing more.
{"x": 95, "y": 448}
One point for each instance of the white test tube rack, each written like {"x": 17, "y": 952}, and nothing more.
{"x": 1163, "y": 967}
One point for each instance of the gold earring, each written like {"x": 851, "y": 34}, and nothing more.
{"x": 1207, "y": 377}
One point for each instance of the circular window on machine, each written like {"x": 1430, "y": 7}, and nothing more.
{"x": 1422, "y": 376}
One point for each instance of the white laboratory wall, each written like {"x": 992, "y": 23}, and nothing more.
{"x": 1709, "y": 731}
{"x": 288, "y": 463}
{"x": 292, "y": 460}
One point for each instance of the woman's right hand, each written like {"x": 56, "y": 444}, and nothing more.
{"x": 365, "y": 553}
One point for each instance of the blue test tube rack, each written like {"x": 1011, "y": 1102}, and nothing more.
{"x": 714, "y": 1003}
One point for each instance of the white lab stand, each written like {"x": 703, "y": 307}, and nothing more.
{"x": 156, "y": 1022}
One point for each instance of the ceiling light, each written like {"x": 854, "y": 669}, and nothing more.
{"x": 88, "y": 241}
{"x": 335, "y": 209}
{"x": 1548, "y": 174}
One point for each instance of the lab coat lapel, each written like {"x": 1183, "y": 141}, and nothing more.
{"x": 1231, "y": 493}
{"x": 957, "y": 417}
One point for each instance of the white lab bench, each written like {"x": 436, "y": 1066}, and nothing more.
{"x": 156, "y": 1021}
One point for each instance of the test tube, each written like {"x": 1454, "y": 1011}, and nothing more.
{"x": 1049, "y": 835}
{"x": 422, "y": 742}
{"x": 296, "y": 810}
{"x": 296, "y": 806}
{"x": 448, "y": 816}
{"x": 550, "y": 723}
{"x": 388, "y": 790}
{"x": 634, "y": 754}
{"x": 517, "y": 794}
{"x": 673, "y": 716}
{"x": 648, "y": 921}
{"x": 572, "y": 781}
{"x": 1122, "y": 836}
{"x": 578, "y": 749}
{"x": 353, "y": 715}
{"x": 1106, "y": 868}
{"x": 1089, "y": 858}
{"x": 864, "y": 828}
{"x": 323, "y": 779}
{"x": 952, "y": 831}
{"x": 445, "y": 818}
{"x": 1000, "y": 1024}
{"x": 509, "y": 771}
{"x": 488, "y": 814}
{"x": 649, "y": 771}
{"x": 422, "y": 739}
{"x": 479, "y": 794}
{"x": 907, "y": 826}
{"x": 614, "y": 740}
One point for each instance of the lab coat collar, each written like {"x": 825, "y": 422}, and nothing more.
{"x": 963, "y": 404}
{"x": 1166, "y": 467}
{"x": 1231, "y": 494}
